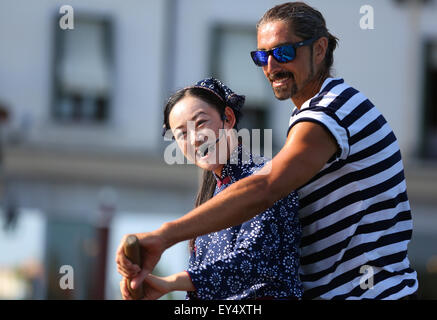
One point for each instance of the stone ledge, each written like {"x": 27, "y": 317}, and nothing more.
{"x": 76, "y": 166}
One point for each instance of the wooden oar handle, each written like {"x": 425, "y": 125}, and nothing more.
{"x": 133, "y": 253}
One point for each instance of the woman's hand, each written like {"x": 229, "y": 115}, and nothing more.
{"x": 155, "y": 287}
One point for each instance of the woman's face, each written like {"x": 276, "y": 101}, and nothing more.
{"x": 194, "y": 123}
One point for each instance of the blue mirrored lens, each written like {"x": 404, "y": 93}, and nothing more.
{"x": 284, "y": 53}
{"x": 260, "y": 57}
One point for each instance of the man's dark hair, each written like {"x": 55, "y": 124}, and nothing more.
{"x": 306, "y": 23}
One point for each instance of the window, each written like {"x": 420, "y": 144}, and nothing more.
{"x": 82, "y": 73}
{"x": 429, "y": 145}
{"x": 231, "y": 63}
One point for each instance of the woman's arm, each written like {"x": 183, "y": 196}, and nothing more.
{"x": 307, "y": 149}
{"x": 181, "y": 282}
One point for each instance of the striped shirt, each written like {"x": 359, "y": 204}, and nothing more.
{"x": 355, "y": 213}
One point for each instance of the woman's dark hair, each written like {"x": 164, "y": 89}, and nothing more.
{"x": 208, "y": 184}
{"x": 306, "y": 23}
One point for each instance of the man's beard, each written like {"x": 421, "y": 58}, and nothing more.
{"x": 287, "y": 92}
{"x": 284, "y": 92}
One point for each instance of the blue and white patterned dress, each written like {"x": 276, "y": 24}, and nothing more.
{"x": 257, "y": 259}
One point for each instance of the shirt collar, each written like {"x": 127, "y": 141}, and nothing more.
{"x": 234, "y": 167}
{"x": 306, "y": 104}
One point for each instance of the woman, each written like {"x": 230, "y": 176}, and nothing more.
{"x": 257, "y": 259}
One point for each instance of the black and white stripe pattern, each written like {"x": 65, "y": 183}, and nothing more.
{"x": 355, "y": 211}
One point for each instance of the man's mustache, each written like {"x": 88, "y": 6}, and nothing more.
{"x": 281, "y": 75}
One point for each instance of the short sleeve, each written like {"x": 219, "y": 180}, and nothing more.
{"x": 330, "y": 122}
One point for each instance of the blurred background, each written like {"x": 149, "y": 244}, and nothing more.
{"x": 81, "y": 156}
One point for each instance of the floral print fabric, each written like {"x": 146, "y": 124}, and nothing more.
{"x": 257, "y": 259}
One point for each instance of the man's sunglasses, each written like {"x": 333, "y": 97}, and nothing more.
{"x": 282, "y": 54}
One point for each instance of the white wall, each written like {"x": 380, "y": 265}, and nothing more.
{"x": 26, "y": 63}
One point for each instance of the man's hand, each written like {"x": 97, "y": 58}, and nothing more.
{"x": 152, "y": 246}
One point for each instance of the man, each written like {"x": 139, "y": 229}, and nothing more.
{"x": 342, "y": 158}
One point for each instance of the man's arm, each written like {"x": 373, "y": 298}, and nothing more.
{"x": 308, "y": 148}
